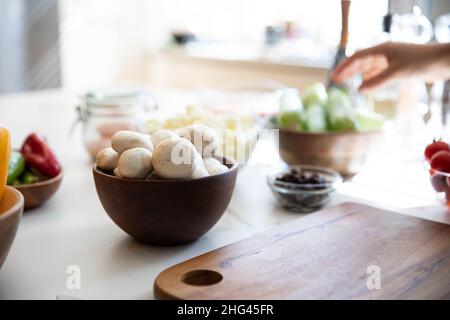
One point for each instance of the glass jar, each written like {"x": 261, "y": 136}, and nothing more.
{"x": 102, "y": 113}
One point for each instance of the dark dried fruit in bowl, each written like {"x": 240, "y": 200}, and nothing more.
{"x": 303, "y": 189}
{"x": 308, "y": 181}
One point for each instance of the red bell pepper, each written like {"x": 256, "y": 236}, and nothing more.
{"x": 39, "y": 156}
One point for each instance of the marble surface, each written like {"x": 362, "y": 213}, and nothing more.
{"x": 72, "y": 229}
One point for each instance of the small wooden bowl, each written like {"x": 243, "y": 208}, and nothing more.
{"x": 37, "y": 193}
{"x": 11, "y": 208}
{"x": 166, "y": 212}
{"x": 344, "y": 152}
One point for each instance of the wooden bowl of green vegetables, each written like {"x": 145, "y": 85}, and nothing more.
{"x": 35, "y": 171}
{"x": 323, "y": 128}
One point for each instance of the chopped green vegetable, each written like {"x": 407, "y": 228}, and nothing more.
{"x": 16, "y": 166}
{"x": 341, "y": 115}
{"x": 370, "y": 121}
{"x": 291, "y": 113}
{"x": 319, "y": 110}
{"x": 314, "y": 101}
{"x": 316, "y": 118}
{"x": 290, "y": 120}
{"x": 29, "y": 177}
{"x": 316, "y": 94}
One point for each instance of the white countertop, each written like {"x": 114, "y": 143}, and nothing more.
{"x": 73, "y": 229}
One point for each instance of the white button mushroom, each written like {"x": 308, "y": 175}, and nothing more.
{"x": 117, "y": 173}
{"x": 174, "y": 158}
{"x": 211, "y": 162}
{"x": 135, "y": 163}
{"x": 202, "y": 137}
{"x": 106, "y": 159}
{"x": 200, "y": 172}
{"x": 214, "y": 166}
{"x": 217, "y": 170}
{"x": 161, "y": 135}
{"x": 124, "y": 140}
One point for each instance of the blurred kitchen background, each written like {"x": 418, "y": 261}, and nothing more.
{"x": 81, "y": 44}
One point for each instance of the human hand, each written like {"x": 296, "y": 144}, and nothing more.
{"x": 391, "y": 61}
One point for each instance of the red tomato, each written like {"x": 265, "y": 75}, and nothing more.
{"x": 441, "y": 161}
{"x": 435, "y": 147}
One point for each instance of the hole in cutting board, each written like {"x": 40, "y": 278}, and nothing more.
{"x": 201, "y": 277}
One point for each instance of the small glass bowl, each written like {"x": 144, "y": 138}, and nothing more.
{"x": 305, "y": 197}
{"x": 440, "y": 181}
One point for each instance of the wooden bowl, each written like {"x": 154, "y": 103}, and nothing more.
{"x": 166, "y": 212}
{"x": 345, "y": 152}
{"x": 37, "y": 193}
{"x": 11, "y": 208}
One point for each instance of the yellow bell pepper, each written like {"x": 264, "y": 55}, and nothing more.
{"x": 5, "y": 149}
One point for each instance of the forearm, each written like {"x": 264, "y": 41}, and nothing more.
{"x": 435, "y": 64}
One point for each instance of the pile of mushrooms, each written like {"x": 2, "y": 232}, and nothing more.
{"x": 187, "y": 153}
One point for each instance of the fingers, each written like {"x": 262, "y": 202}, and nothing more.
{"x": 360, "y": 61}
{"x": 378, "y": 80}
{"x": 375, "y": 67}
{"x": 358, "y": 66}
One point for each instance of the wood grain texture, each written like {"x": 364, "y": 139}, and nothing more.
{"x": 166, "y": 212}
{"x": 345, "y": 152}
{"x": 345, "y": 8}
{"x": 11, "y": 208}
{"x": 323, "y": 256}
{"x": 37, "y": 193}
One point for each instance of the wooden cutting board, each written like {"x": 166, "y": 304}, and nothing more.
{"x": 331, "y": 254}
